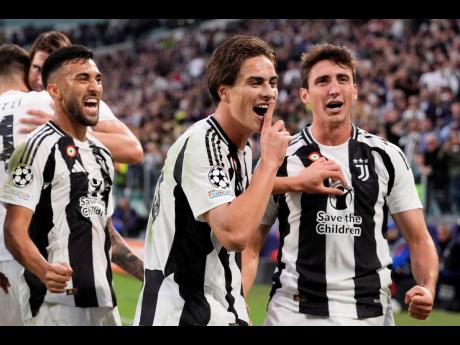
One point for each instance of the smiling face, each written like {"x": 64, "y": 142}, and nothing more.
{"x": 79, "y": 90}
{"x": 330, "y": 93}
{"x": 247, "y": 99}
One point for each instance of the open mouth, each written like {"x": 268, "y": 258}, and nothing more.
{"x": 91, "y": 103}
{"x": 260, "y": 109}
{"x": 334, "y": 104}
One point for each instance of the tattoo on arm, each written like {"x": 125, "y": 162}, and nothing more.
{"x": 124, "y": 257}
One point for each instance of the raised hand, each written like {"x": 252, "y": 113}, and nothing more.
{"x": 420, "y": 301}
{"x": 311, "y": 179}
{"x": 274, "y": 139}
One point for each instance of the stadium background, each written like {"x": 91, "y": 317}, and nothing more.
{"x": 409, "y": 92}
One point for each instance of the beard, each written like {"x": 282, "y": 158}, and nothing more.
{"x": 76, "y": 113}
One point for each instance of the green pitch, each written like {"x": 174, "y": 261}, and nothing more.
{"x": 127, "y": 290}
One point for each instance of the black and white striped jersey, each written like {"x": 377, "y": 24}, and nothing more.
{"x": 14, "y": 105}
{"x": 190, "y": 278}
{"x": 67, "y": 184}
{"x": 333, "y": 258}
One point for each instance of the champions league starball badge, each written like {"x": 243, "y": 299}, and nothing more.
{"x": 22, "y": 175}
{"x": 218, "y": 178}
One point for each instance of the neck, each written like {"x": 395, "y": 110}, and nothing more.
{"x": 234, "y": 129}
{"x": 12, "y": 83}
{"x": 70, "y": 126}
{"x": 331, "y": 134}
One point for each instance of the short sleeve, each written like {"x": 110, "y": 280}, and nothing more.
{"x": 204, "y": 180}
{"x": 24, "y": 183}
{"x": 403, "y": 196}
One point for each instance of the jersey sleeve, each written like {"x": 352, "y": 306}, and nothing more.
{"x": 105, "y": 113}
{"x": 205, "y": 183}
{"x": 24, "y": 183}
{"x": 403, "y": 195}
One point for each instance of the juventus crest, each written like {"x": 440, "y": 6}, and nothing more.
{"x": 362, "y": 165}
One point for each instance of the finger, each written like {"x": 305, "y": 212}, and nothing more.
{"x": 57, "y": 285}
{"x": 68, "y": 268}
{"x": 329, "y": 190}
{"x": 26, "y": 130}
{"x": 421, "y": 301}
{"x": 269, "y": 115}
{"x": 40, "y": 113}
{"x": 56, "y": 290}
{"x": 279, "y": 126}
{"x": 32, "y": 121}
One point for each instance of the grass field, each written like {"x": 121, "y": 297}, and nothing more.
{"x": 127, "y": 290}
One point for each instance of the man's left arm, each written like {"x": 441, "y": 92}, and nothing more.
{"x": 123, "y": 256}
{"x": 121, "y": 142}
{"x": 424, "y": 262}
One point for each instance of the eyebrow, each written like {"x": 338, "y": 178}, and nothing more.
{"x": 261, "y": 79}
{"x": 86, "y": 74}
{"x": 327, "y": 76}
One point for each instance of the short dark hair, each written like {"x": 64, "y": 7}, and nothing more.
{"x": 56, "y": 60}
{"x": 227, "y": 59}
{"x": 340, "y": 55}
{"x": 48, "y": 42}
{"x": 13, "y": 59}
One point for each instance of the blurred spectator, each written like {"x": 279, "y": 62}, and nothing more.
{"x": 448, "y": 295}
{"x": 450, "y": 152}
{"x": 126, "y": 220}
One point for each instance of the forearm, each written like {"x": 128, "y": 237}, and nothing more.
{"x": 286, "y": 185}
{"x": 425, "y": 264}
{"x": 250, "y": 263}
{"x": 246, "y": 211}
{"x": 26, "y": 253}
{"x": 124, "y": 257}
{"x": 123, "y": 148}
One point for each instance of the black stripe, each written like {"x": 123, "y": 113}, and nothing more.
{"x": 214, "y": 150}
{"x": 208, "y": 150}
{"x": 152, "y": 284}
{"x": 108, "y": 272}
{"x": 80, "y": 237}
{"x": 311, "y": 260}
{"x": 404, "y": 160}
{"x": 224, "y": 260}
{"x": 388, "y": 166}
{"x": 222, "y": 133}
{"x": 187, "y": 258}
{"x": 367, "y": 263}
{"x": 306, "y": 135}
{"x": 40, "y": 225}
{"x": 38, "y": 138}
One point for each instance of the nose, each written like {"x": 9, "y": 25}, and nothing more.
{"x": 40, "y": 86}
{"x": 269, "y": 92}
{"x": 334, "y": 88}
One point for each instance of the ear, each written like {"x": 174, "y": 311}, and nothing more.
{"x": 355, "y": 92}
{"x": 54, "y": 91}
{"x": 304, "y": 95}
{"x": 224, "y": 94}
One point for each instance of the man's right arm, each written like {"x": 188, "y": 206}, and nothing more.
{"x": 234, "y": 223}
{"x": 18, "y": 242}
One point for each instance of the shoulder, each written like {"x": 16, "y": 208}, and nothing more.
{"x": 376, "y": 142}
{"x": 297, "y": 142}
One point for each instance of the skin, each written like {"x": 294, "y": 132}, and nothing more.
{"x": 329, "y": 82}
{"x": 70, "y": 86}
{"x": 235, "y": 223}
{"x": 114, "y": 134}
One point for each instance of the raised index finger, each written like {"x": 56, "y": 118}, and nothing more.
{"x": 269, "y": 115}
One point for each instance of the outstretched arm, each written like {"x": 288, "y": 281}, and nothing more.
{"x": 121, "y": 142}
{"x": 424, "y": 262}
{"x": 123, "y": 256}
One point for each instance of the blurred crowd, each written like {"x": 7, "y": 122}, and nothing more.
{"x": 408, "y": 79}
